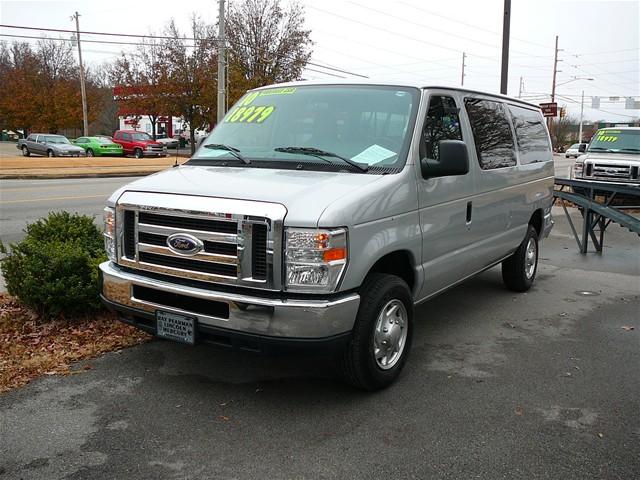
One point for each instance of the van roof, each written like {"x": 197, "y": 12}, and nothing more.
{"x": 387, "y": 83}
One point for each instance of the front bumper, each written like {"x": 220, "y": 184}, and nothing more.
{"x": 269, "y": 319}
{"x": 155, "y": 153}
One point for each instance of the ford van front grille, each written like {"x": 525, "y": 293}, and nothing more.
{"x": 620, "y": 172}
{"x": 231, "y": 246}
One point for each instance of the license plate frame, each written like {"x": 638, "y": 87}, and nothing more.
{"x": 176, "y": 327}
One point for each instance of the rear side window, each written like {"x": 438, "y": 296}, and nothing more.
{"x": 125, "y": 136}
{"x": 531, "y": 136}
{"x": 491, "y": 133}
{"x": 442, "y": 123}
{"x": 31, "y": 138}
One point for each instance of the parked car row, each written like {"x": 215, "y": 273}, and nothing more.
{"x": 124, "y": 142}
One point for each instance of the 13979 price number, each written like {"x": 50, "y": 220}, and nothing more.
{"x": 250, "y": 114}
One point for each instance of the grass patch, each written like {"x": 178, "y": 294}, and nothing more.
{"x": 30, "y": 347}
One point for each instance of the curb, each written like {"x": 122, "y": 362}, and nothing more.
{"x": 53, "y": 176}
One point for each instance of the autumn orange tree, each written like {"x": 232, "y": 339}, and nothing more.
{"x": 40, "y": 88}
{"x": 190, "y": 75}
{"x": 139, "y": 80}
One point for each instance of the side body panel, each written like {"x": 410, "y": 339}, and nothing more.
{"x": 504, "y": 201}
{"x": 382, "y": 218}
{"x": 446, "y": 234}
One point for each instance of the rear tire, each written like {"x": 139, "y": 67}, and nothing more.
{"x": 137, "y": 153}
{"x": 382, "y": 333}
{"x": 25, "y": 151}
{"x": 50, "y": 153}
{"x": 519, "y": 270}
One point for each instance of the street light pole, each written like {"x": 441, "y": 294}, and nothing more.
{"x": 83, "y": 90}
{"x": 581, "y": 112}
{"x": 221, "y": 63}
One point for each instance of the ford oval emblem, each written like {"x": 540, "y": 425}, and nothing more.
{"x": 184, "y": 244}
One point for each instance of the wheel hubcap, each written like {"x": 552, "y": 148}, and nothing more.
{"x": 530, "y": 258}
{"x": 390, "y": 335}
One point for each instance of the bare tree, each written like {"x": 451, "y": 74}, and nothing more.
{"x": 268, "y": 43}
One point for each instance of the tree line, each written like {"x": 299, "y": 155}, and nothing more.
{"x": 173, "y": 74}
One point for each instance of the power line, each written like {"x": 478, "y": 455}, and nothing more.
{"x": 493, "y": 32}
{"x": 408, "y": 37}
{"x": 609, "y": 51}
{"x": 110, "y": 42}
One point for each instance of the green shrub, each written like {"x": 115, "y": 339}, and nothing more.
{"x": 54, "y": 269}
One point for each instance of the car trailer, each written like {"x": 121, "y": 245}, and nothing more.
{"x": 597, "y": 216}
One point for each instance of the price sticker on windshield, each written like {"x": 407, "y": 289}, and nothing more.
{"x": 606, "y": 138}
{"x": 250, "y": 114}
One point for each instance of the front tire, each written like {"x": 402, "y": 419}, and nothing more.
{"x": 90, "y": 153}
{"x": 137, "y": 153}
{"x": 50, "y": 153}
{"x": 519, "y": 270}
{"x": 382, "y": 333}
{"x": 25, "y": 151}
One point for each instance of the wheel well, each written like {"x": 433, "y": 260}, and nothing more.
{"x": 536, "y": 221}
{"x": 396, "y": 263}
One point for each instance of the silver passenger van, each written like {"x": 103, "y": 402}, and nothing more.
{"x": 320, "y": 214}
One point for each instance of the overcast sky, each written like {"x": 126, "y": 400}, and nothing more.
{"x": 415, "y": 40}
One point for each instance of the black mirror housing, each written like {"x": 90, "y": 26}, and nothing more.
{"x": 582, "y": 147}
{"x": 454, "y": 160}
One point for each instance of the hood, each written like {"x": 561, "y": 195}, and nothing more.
{"x": 67, "y": 147}
{"x": 305, "y": 194}
{"x": 612, "y": 158}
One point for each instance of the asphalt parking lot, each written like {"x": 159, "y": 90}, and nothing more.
{"x": 499, "y": 385}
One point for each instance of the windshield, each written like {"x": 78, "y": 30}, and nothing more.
{"x": 56, "y": 139}
{"x": 574, "y": 146}
{"x": 616, "y": 141}
{"x": 141, "y": 136}
{"x": 370, "y": 125}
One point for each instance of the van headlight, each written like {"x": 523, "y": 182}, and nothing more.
{"x": 314, "y": 259}
{"x": 578, "y": 169}
{"x": 109, "y": 216}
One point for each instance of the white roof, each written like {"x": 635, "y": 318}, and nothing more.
{"x": 388, "y": 83}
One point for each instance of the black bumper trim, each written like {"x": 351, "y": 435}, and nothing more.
{"x": 232, "y": 338}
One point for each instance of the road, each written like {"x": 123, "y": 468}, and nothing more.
{"x": 540, "y": 385}
{"x": 499, "y": 385}
{"x": 25, "y": 201}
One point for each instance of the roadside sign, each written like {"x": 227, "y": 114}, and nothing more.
{"x": 549, "y": 109}
{"x": 595, "y": 102}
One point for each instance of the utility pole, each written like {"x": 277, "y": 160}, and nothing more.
{"x": 553, "y": 85}
{"x": 520, "y": 89}
{"x": 221, "y": 63}
{"x": 464, "y": 56}
{"x": 506, "y": 26}
{"x": 581, "y": 112}
{"x": 83, "y": 90}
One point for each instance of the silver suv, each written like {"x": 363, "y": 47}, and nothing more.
{"x": 321, "y": 214}
{"x": 613, "y": 155}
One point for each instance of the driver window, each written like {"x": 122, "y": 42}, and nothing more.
{"x": 442, "y": 123}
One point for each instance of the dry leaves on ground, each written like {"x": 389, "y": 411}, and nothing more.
{"x": 30, "y": 348}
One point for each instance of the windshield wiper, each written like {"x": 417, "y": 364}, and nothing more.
{"x": 316, "y": 152}
{"x": 600, "y": 149}
{"x": 631, "y": 149}
{"x": 232, "y": 150}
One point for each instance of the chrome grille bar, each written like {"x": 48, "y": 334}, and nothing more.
{"x": 224, "y": 227}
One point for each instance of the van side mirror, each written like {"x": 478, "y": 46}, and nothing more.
{"x": 582, "y": 147}
{"x": 454, "y": 160}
